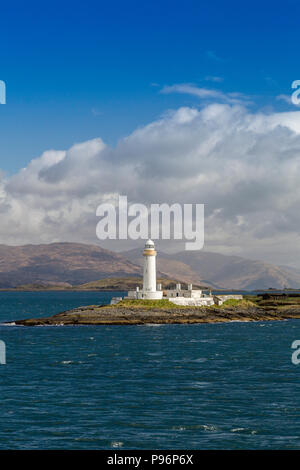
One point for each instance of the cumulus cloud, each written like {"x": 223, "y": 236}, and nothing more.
{"x": 243, "y": 166}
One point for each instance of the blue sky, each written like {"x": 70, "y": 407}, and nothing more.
{"x": 80, "y": 70}
{"x": 211, "y": 78}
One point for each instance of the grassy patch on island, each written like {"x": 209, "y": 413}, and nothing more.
{"x": 165, "y": 304}
{"x": 236, "y": 303}
{"x": 140, "y": 303}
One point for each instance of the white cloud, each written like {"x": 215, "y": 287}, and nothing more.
{"x": 286, "y": 98}
{"x": 244, "y": 166}
{"x": 211, "y": 78}
{"x": 206, "y": 94}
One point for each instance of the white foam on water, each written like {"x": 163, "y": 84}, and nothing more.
{"x": 200, "y": 384}
{"x": 70, "y": 362}
{"x": 243, "y": 430}
{"x": 238, "y": 321}
{"x": 200, "y": 359}
{"x": 117, "y": 444}
{"x": 205, "y": 427}
{"x": 209, "y": 427}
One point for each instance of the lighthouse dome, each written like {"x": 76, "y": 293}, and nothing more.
{"x": 149, "y": 244}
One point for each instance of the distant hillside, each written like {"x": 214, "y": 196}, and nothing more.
{"x": 108, "y": 284}
{"x": 70, "y": 264}
{"x": 129, "y": 284}
{"x": 73, "y": 263}
{"x": 221, "y": 271}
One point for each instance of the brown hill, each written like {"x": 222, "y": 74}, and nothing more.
{"x": 77, "y": 263}
{"x": 221, "y": 271}
{"x": 129, "y": 284}
{"x": 73, "y": 263}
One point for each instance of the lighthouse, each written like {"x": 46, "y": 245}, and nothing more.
{"x": 149, "y": 279}
{"x": 177, "y": 296}
{"x": 149, "y": 291}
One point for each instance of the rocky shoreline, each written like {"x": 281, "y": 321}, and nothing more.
{"x": 120, "y": 315}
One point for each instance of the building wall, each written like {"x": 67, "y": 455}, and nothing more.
{"x": 196, "y": 302}
{"x": 132, "y": 294}
{"x": 220, "y": 299}
{"x": 196, "y": 294}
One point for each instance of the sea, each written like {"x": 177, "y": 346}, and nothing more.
{"x": 205, "y": 386}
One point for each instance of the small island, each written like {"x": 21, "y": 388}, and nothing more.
{"x": 154, "y": 304}
{"x": 140, "y": 312}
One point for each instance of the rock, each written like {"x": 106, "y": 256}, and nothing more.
{"x": 114, "y": 315}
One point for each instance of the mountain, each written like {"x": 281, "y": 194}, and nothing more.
{"x": 73, "y": 263}
{"x": 107, "y": 284}
{"x": 221, "y": 271}
{"x": 127, "y": 284}
{"x": 289, "y": 269}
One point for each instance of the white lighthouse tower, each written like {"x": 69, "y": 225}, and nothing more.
{"x": 149, "y": 278}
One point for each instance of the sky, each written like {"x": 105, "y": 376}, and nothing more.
{"x": 162, "y": 101}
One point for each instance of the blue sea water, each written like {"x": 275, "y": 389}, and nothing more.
{"x": 206, "y": 386}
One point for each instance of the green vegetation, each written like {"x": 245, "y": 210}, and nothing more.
{"x": 280, "y": 303}
{"x": 283, "y": 303}
{"x": 252, "y": 298}
{"x": 162, "y": 303}
{"x": 236, "y": 303}
{"x": 166, "y": 304}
